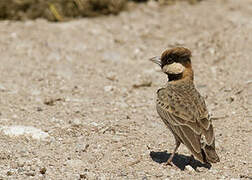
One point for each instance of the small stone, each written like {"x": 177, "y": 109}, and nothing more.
{"x": 102, "y": 177}
{"x": 142, "y": 83}
{"x": 30, "y": 173}
{"x": 91, "y": 175}
{"x": 24, "y": 130}
{"x": 111, "y": 76}
{"x": 108, "y": 88}
{"x": 10, "y": 173}
{"x": 82, "y": 147}
{"x": 21, "y": 163}
{"x": 189, "y": 168}
{"x": 230, "y": 99}
{"x": 76, "y": 122}
{"x": 94, "y": 124}
{"x": 52, "y": 101}
{"x": 212, "y": 51}
{"x": 49, "y": 102}
{"x": 83, "y": 176}
{"x": 213, "y": 171}
{"x": 42, "y": 170}
{"x": 13, "y": 35}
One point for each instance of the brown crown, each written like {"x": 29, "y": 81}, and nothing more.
{"x": 178, "y": 54}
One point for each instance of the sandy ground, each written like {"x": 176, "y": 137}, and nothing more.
{"x": 77, "y": 99}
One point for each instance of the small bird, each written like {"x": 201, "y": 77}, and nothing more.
{"x": 182, "y": 108}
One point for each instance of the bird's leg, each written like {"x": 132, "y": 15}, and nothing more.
{"x": 169, "y": 161}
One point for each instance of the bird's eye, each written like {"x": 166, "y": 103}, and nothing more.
{"x": 169, "y": 60}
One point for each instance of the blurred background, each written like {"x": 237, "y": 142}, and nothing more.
{"x": 60, "y": 10}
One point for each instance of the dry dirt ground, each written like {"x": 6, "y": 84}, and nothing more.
{"x": 77, "y": 99}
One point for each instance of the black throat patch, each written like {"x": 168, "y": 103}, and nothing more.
{"x": 174, "y": 77}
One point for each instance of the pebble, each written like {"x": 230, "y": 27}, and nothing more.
{"x": 42, "y": 170}
{"x": 24, "y": 130}
{"x": 83, "y": 176}
{"x": 143, "y": 82}
{"x": 30, "y": 173}
{"x": 94, "y": 124}
{"x": 10, "y": 173}
{"x": 111, "y": 76}
{"x": 189, "y": 168}
{"x": 212, "y": 51}
{"x": 21, "y": 163}
{"x": 76, "y": 122}
{"x": 108, "y": 88}
{"x": 13, "y": 35}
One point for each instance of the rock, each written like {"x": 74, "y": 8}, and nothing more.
{"x": 189, "y": 168}
{"x": 94, "y": 124}
{"x": 142, "y": 82}
{"x": 10, "y": 173}
{"x": 81, "y": 147}
{"x": 76, "y": 122}
{"x": 52, "y": 101}
{"x": 212, "y": 51}
{"x": 83, "y": 176}
{"x": 111, "y": 76}
{"x": 24, "y": 130}
{"x": 30, "y": 173}
{"x": 213, "y": 171}
{"x": 42, "y": 170}
{"x": 108, "y": 88}
{"x": 230, "y": 99}
{"x": 21, "y": 163}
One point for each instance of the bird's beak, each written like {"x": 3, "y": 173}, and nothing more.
{"x": 157, "y": 60}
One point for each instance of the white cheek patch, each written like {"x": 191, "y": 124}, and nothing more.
{"x": 174, "y": 68}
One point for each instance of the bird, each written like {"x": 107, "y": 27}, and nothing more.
{"x": 182, "y": 109}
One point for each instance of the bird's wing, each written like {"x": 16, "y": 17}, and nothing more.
{"x": 189, "y": 114}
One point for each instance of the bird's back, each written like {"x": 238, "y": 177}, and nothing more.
{"x": 183, "y": 110}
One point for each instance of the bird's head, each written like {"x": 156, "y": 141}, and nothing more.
{"x": 176, "y": 63}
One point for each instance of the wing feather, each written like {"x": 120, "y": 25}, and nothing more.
{"x": 186, "y": 118}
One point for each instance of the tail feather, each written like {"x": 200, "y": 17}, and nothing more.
{"x": 209, "y": 153}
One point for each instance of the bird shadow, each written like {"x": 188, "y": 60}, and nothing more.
{"x": 179, "y": 160}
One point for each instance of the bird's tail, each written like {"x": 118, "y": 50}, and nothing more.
{"x": 209, "y": 153}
